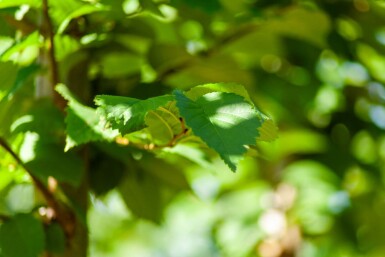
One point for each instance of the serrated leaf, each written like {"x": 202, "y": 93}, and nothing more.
{"x": 226, "y": 122}
{"x": 201, "y": 90}
{"x": 127, "y": 114}
{"x": 268, "y": 131}
{"x": 83, "y": 123}
{"x": 22, "y": 236}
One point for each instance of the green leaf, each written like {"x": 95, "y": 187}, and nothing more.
{"x": 15, "y": 3}
{"x": 8, "y": 75}
{"x": 22, "y": 236}
{"x": 115, "y": 64}
{"x": 106, "y": 173}
{"x": 165, "y": 172}
{"x": 45, "y": 160}
{"x": 43, "y": 118}
{"x": 83, "y": 123}
{"x": 226, "y": 122}
{"x": 22, "y": 75}
{"x": 201, "y": 90}
{"x": 141, "y": 193}
{"x": 32, "y": 41}
{"x": 268, "y": 131}
{"x": 127, "y": 114}
{"x": 163, "y": 124}
{"x": 151, "y": 7}
{"x": 64, "y": 11}
{"x": 55, "y": 238}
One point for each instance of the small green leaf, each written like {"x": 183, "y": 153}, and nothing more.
{"x": 127, "y": 114}
{"x": 163, "y": 124}
{"x": 151, "y": 7}
{"x": 22, "y": 236}
{"x": 201, "y": 90}
{"x": 226, "y": 122}
{"x": 64, "y": 11}
{"x": 158, "y": 127}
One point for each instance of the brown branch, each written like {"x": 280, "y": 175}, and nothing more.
{"x": 49, "y": 34}
{"x": 47, "y": 31}
{"x": 62, "y": 213}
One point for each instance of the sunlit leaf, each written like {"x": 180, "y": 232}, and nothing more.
{"x": 201, "y": 90}
{"x": 15, "y": 3}
{"x": 64, "y": 11}
{"x": 225, "y": 121}
{"x": 163, "y": 124}
{"x": 127, "y": 114}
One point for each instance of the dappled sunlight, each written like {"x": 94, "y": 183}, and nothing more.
{"x": 192, "y": 128}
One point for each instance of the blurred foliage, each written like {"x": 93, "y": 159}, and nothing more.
{"x": 315, "y": 66}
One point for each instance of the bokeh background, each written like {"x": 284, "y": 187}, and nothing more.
{"x": 316, "y": 67}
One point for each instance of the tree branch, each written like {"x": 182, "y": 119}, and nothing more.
{"x": 47, "y": 31}
{"x": 62, "y": 213}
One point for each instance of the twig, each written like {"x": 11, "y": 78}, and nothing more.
{"x": 48, "y": 33}
{"x": 47, "y": 194}
{"x": 63, "y": 214}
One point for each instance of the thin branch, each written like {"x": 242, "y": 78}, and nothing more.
{"x": 63, "y": 214}
{"x": 46, "y": 193}
{"x": 47, "y": 32}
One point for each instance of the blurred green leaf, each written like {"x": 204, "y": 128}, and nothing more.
{"x": 45, "y": 159}
{"x": 55, "y": 239}
{"x": 14, "y": 3}
{"x": 64, "y": 11}
{"x": 143, "y": 196}
{"x": 83, "y": 123}
{"x": 22, "y": 236}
